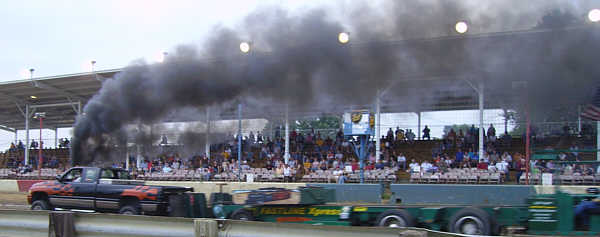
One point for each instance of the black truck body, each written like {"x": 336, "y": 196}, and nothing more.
{"x": 102, "y": 190}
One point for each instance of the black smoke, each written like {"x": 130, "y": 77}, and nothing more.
{"x": 297, "y": 61}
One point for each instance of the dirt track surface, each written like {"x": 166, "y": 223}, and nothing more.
{"x": 13, "y": 200}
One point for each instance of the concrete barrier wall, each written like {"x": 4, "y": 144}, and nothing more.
{"x": 461, "y": 194}
{"x": 359, "y": 193}
{"x": 8, "y": 185}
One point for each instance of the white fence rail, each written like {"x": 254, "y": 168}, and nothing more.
{"x": 66, "y": 224}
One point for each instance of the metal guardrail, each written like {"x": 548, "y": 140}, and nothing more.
{"x": 66, "y": 224}
{"x": 24, "y": 223}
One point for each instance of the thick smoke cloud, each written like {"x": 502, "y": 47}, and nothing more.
{"x": 297, "y": 61}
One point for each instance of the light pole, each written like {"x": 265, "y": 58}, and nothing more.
{"x": 40, "y": 115}
{"x": 245, "y": 48}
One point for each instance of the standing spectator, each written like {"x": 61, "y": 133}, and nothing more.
{"x": 521, "y": 168}
{"x": 287, "y": 174}
{"x": 390, "y": 135}
{"x": 342, "y": 179}
{"x": 20, "y": 146}
{"x": 410, "y": 136}
{"x": 426, "y": 133}
{"x": 491, "y": 133}
{"x": 574, "y": 152}
{"x": 459, "y": 157}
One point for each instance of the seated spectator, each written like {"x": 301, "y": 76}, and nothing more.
{"x": 502, "y": 166}
{"x": 401, "y": 161}
{"x": 492, "y": 167}
{"x": 426, "y": 166}
{"x": 414, "y": 166}
{"x": 482, "y": 165}
{"x": 379, "y": 165}
{"x": 337, "y": 173}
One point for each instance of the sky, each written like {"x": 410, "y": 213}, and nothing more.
{"x": 62, "y": 37}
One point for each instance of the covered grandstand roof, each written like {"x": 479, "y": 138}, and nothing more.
{"x": 54, "y": 90}
{"x": 62, "y": 93}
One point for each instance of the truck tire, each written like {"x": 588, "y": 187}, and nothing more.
{"x": 129, "y": 210}
{"x": 396, "y": 218}
{"x": 40, "y": 205}
{"x": 242, "y": 214}
{"x": 471, "y": 221}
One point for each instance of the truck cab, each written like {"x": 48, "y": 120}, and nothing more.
{"x": 102, "y": 190}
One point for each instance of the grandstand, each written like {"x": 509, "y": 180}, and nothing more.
{"x": 62, "y": 97}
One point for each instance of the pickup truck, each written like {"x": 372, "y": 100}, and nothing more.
{"x": 102, "y": 190}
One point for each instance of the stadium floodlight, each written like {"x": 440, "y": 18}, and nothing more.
{"x": 343, "y": 37}
{"x": 461, "y": 27}
{"x": 245, "y": 47}
{"x": 594, "y": 15}
{"x": 33, "y": 97}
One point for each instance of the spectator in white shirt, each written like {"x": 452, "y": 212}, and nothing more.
{"x": 414, "y": 166}
{"x": 502, "y": 166}
{"x": 287, "y": 174}
{"x": 426, "y": 166}
{"x": 402, "y": 161}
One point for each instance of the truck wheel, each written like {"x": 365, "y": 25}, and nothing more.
{"x": 40, "y": 205}
{"x": 242, "y": 214}
{"x": 471, "y": 221}
{"x": 129, "y": 210}
{"x": 396, "y": 219}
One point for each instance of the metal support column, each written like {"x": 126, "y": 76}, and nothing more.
{"x": 16, "y": 137}
{"x": 127, "y": 157}
{"x": 419, "y": 125}
{"x": 481, "y": 128}
{"x": 138, "y": 156}
{"x": 207, "y": 145}
{"x": 27, "y": 134}
{"x": 378, "y": 126}
{"x": 598, "y": 140}
{"x": 286, "y": 155}
{"x": 578, "y": 120}
{"x": 239, "y": 142}
{"x": 363, "y": 147}
{"x": 55, "y": 138}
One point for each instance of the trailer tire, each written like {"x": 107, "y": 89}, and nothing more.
{"x": 396, "y": 218}
{"x": 242, "y": 214}
{"x": 471, "y": 221}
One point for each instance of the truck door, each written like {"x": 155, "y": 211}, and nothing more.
{"x": 80, "y": 186}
